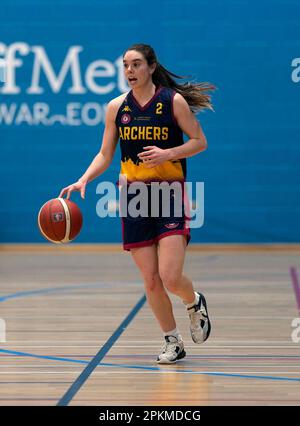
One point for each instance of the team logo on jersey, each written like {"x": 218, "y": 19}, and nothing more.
{"x": 125, "y": 119}
{"x": 126, "y": 109}
{"x": 171, "y": 225}
{"x": 58, "y": 217}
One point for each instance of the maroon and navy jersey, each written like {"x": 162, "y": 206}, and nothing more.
{"x": 152, "y": 124}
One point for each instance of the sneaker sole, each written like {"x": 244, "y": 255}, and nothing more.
{"x": 209, "y": 324}
{"x": 165, "y": 361}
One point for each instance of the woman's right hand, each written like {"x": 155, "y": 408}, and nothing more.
{"x": 77, "y": 186}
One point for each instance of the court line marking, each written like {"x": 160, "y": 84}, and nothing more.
{"x": 240, "y": 374}
{"x": 71, "y": 392}
{"x": 245, "y": 375}
{"x": 294, "y": 346}
{"x": 52, "y": 358}
{"x": 227, "y": 357}
{"x": 224, "y": 366}
{"x": 233, "y": 317}
{"x": 59, "y": 289}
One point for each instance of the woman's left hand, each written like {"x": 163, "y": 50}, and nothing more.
{"x": 153, "y": 156}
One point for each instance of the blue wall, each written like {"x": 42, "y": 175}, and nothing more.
{"x": 246, "y": 48}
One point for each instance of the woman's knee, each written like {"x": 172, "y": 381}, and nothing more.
{"x": 171, "y": 280}
{"x": 152, "y": 281}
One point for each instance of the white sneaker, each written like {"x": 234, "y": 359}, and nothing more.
{"x": 200, "y": 324}
{"x": 172, "y": 351}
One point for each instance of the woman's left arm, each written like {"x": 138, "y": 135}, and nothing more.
{"x": 190, "y": 126}
{"x": 153, "y": 156}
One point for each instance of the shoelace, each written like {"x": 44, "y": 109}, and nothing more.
{"x": 171, "y": 346}
{"x": 194, "y": 317}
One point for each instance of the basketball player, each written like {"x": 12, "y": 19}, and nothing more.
{"x": 150, "y": 121}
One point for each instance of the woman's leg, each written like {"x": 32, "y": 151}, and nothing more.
{"x": 171, "y": 259}
{"x": 146, "y": 260}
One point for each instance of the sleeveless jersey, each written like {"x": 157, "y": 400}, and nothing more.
{"x": 153, "y": 124}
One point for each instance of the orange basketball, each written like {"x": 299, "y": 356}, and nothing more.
{"x": 60, "y": 220}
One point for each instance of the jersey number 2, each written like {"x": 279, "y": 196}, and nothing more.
{"x": 159, "y": 106}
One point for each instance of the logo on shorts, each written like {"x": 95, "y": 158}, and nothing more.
{"x": 125, "y": 119}
{"x": 171, "y": 225}
{"x": 58, "y": 217}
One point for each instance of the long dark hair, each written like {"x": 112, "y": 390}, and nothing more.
{"x": 196, "y": 94}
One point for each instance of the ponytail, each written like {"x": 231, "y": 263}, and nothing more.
{"x": 197, "y": 95}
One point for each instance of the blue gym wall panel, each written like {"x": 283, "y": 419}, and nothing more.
{"x": 248, "y": 49}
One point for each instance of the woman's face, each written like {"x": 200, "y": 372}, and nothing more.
{"x": 136, "y": 69}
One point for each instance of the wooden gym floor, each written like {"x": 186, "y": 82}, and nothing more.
{"x": 79, "y": 332}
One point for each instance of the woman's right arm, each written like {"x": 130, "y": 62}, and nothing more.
{"x": 104, "y": 158}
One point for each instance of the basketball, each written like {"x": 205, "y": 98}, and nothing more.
{"x": 60, "y": 220}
